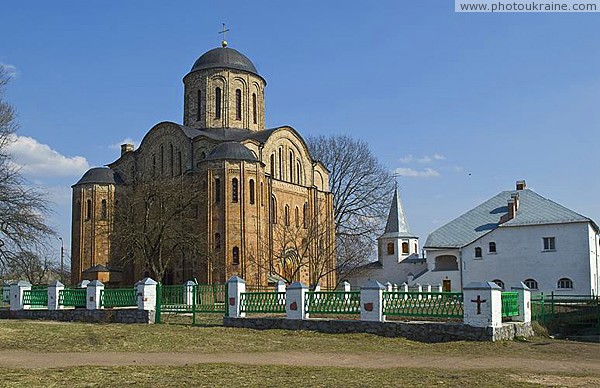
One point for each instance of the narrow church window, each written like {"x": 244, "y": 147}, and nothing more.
{"x": 88, "y": 209}
{"x": 291, "y": 167}
{"x": 390, "y": 248}
{"x": 261, "y": 194}
{"x": 251, "y": 191}
{"x": 286, "y": 215}
{"x": 178, "y": 162}
{"x": 234, "y": 190}
{"x": 492, "y": 247}
{"x": 217, "y": 103}
{"x": 171, "y": 159}
{"x": 404, "y": 247}
{"x": 280, "y": 165}
{"x": 238, "y": 104}
{"x": 235, "y": 256}
{"x": 273, "y": 210}
{"x": 254, "y": 118}
{"x": 199, "y": 108}
{"x": 217, "y": 190}
{"x": 162, "y": 160}
{"x": 217, "y": 241}
{"x": 297, "y": 217}
{"x": 103, "y": 210}
{"x": 298, "y": 175}
{"x": 304, "y": 215}
{"x": 272, "y": 165}
{"x": 153, "y": 165}
{"x": 77, "y": 211}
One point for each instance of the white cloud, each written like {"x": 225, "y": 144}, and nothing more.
{"x": 127, "y": 140}
{"x": 39, "y": 161}
{"x": 411, "y": 172}
{"x": 438, "y": 157}
{"x": 407, "y": 159}
{"x": 11, "y": 70}
{"x": 423, "y": 160}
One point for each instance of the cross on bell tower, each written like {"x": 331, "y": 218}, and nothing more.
{"x": 225, "y": 30}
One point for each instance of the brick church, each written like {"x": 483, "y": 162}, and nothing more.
{"x": 246, "y": 200}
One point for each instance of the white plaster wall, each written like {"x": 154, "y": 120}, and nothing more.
{"x": 520, "y": 256}
{"x": 434, "y": 277}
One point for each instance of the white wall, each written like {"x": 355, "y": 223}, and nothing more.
{"x": 520, "y": 256}
{"x": 436, "y": 277}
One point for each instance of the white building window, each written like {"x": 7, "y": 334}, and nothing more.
{"x": 492, "y": 247}
{"x": 478, "y": 252}
{"x": 531, "y": 283}
{"x": 565, "y": 283}
{"x": 549, "y": 243}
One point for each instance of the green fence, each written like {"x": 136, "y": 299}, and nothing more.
{"x": 6, "y": 295}
{"x": 567, "y": 314}
{"x": 510, "y": 304}
{"x": 190, "y": 299}
{"x": 332, "y": 302}
{"x": 37, "y": 297}
{"x": 72, "y": 297}
{"x": 118, "y": 297}
{"x": 423, "y": 304}
{"x": 262, "y": 302}
{"x": 210, "y": 298}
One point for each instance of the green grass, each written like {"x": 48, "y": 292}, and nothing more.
{"x": 209, "y": 375}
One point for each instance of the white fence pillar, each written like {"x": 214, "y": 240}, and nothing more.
{"x": 371, "y": 301}
{"x": 16, "y": 295}
{"x": 280, "y": 286}
{"x": 482, "y": 304}
{"x": 389, "y": 287}
{"x": 146, "y": 294}
{"x": 83, "y": 284}
{"x": 440, "y": 288}
{"x": 524, "y": 302}
{"x": 235, "y": 287}
{"x": 346, "y": 286}
{"x": 188, "y": 292}
{"x": 428, "y": 290}
{"x": 295, "y": 301}
{"x": 94, "y": 289}
{"x": 54, "y": 289}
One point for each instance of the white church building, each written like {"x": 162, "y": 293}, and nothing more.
{"x": 515, "y": 236}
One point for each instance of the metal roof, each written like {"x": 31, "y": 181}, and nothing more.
{"x": 396, "y": 225}
{"x": 231, "y": 150}
{"x": 533, "y": 209}
{"x": 103, "y": 175}
{"x": 226, "y": 58}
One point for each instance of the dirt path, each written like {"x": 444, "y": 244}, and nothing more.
{"x": 21, "y": 359}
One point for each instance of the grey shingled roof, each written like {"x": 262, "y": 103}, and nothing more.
{"x": 102, "y": 175}
{"x": 226, "y": 58}
{"x": 231, "y": 150}
{"x": 396, "y": 225}
{"x": 533, "y": 209}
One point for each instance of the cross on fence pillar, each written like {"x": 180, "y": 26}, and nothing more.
{"x": 482, "y": 304}
{"x": 54, "y": 289}
{"x": 524, "y": 300}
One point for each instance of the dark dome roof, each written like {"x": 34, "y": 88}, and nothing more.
{"x": 100, "y": 175}
{"x": 224, "y": 57}
{"x": 231, "y": 150}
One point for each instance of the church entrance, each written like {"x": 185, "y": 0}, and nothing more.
{"x": 446, "y": 285}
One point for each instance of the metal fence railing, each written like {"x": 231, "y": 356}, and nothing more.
{"x": 423, "y": 304}
{"x": 37, "y": 297}
{"x": 332, "y": 302}
{"x": 118, "y": 297}
{"x": 262, "y": 302}
{"x": 72, "y": 297}
{"x": 510, "y": 304}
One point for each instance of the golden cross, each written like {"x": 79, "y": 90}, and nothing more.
{"x": 224, "y": 42}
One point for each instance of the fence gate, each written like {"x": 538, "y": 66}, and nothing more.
{"x": 190, "y": 302}
{"x": 569, "y": 315}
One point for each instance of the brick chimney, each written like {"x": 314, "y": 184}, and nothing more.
{"x": 521, "y": 185}
{"x": 125, "y": 148}
{"x": 515, "y": 197}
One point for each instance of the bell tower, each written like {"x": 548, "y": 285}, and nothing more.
{"x": 397, "y": 241}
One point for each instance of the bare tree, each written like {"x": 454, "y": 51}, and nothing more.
{"x": 23, "y": 209}
{"x": 361, "y": 188}
{"x": 156, "y": 223}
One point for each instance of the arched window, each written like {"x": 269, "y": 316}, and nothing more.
{"x": 391, "y": 248}
{"x": 492, "y": 247}
{"x": 88, "y": 209}
{"x": 217, "y": 190}
{"x": 273, "y": 209}
{"x": 404, "y": 248}
{"x": 234, "y": 190}
{"x": 77, "y": 211}
{"x": 153, "y": 165}
{"x": 103, "y": 210}
{"x": 565, "y": 283}
{"x": 235, "y": 257}
{"x": 218, "y": 103}
{"x": 298, "y": 173}
{"x": 297, "y": 217}
{"x": 531, "y": 283}
{"x": 199, "y": 102}
{"x": 238, "y": 104}
{"x": 179, "y": 163}
{"x": 162, "y": 160}
{"x": 171, "y": 159}
{"x": 291, "y": 167}
{"x": 416, "y": 249}
{"x": 262, "y": 195}
{"x": 272, "y": 165}
{"x": 499, "y": 283}
{"x": 280, "y": 165}
{"x": 217, "y": 241}
{"x": 304, "y": 215}
{"x": 254, "y": 114}
{"x": 286, "y": 215}
{"x": 477, "y": 252}
{"x": 251, "y": 191}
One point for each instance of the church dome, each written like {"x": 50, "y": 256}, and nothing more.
{"x": 102, "y": 175}
{"x": 224, "y": 58}
{"x": 232, "y": 150}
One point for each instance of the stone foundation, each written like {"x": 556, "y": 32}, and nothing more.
{"x": 416, "y": 331}
{"x": 83, "y": 315}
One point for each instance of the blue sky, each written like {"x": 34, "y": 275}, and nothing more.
{"x": 462, "y": 105}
